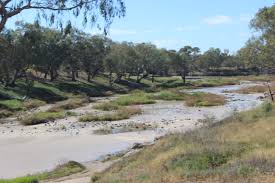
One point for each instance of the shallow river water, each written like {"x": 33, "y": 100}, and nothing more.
{"x": 28, "y": 150}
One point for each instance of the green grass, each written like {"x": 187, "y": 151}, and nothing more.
{"x": 136, "y": 98}
{"x": 129, "y": 127}
{"x": 169, "y": 95}
{"x": 42, "y": 117}
{"x": 240, "y": 147}
{"x": 64, "y": 170}
{"x": 27, "y": 179}
{"x": 124, "y": 113}
{"x": 253, "y": 89}
{"x": 201, "y": 99}
{"x": 107, "y": 106}
{"x": 11, "y": 105}
{"x": 33, "y": 103}
{"x": 60, "y": 171}
{"x": 72, "y": 103}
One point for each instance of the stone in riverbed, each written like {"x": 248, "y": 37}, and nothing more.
{"x": 137, "y": 146}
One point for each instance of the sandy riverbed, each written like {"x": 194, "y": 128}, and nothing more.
{"x": 31, "y": 149}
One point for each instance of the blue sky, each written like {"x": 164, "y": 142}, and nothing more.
{"x": 172, "y": 24}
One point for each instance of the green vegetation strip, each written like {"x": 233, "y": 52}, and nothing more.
{"x": 42, "y": 117}
{"x": 124, "y": 113}
{"x": 67, "y": 169}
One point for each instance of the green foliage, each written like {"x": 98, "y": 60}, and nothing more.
{"x": 42, "y": 117}
{"x": 11, "y": 105}
{"x": 27, "y": 179}
{"x": 205, "y": 99}
{"x": 107, "y": 106}
{"x": 64, "y": 170}
{"x": 169, "y": 95}
{"x": 135, "y": 98}
{"x": 124, "y": 113}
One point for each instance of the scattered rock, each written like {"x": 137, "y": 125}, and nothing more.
{"x": 137, "y": 146}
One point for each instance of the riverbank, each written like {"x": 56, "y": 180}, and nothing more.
{"x": 239, "y": 149}
{"x": 32, "y": 149}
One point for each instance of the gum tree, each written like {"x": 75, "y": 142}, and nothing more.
{"x": 53, "y": 10}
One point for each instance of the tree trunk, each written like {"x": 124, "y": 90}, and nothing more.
{"x": 142, "y": 77}
{"x": 183, "y": 76}
{"x": 153, "y": 78}
{"x": 111, "y": 78}
{"x": 95, "y": 72}
{"x": 53, "y": 75}
{"x": 88, "y": 76}
{"x": 14, "y": 78}
{"x": 45, "y": 75}
{"x": 73, "y": 75}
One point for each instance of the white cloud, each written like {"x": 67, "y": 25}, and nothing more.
{"x": 122, "y": 32}
{"x": 218, "y": 19}
{"x": 245, "y": 17}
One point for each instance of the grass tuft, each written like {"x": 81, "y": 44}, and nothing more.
{"x": 68, "y": 104}
{"x": 42, "y": 117}
{"x": 124, "y": 113}
{"x": 64, "y": 170}
{"x": 169, "y": 95}
{"x": 107, "y": 106}
{"x": 11, "y": 105}
{"x": 201, "y": 99}
{"x": 136, "y": 98}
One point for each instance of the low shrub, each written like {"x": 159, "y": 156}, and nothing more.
{"x": 107, "y": 106}
{"x": 68, "y": 104}
{"x": 11, "y": 105}
{"x": 42, "y": 117}
{"x": 169, "y": 95}
{"x": 136, "y": 98}
{"x": 205, "y": 99}
{"x": 124, "y": 113}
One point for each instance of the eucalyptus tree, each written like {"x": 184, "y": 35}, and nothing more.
{"x": 189, "y": 55}
{"x": 72, "y": 46}
{"x": 253, "y": 55}
{"x": 93, "y": 51}
{"x": 53, "y": 11}
{"x": 145, "y": 55}
{"x": 118, "y": 61}
{"x": 264, "y": 22}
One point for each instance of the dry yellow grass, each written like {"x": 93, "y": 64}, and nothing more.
{"x": 205, "y": 99}
{"x": 254, "y": 89}
{"x": 240, "y": 149}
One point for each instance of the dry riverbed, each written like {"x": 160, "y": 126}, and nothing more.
{"x": 31, "y": 149}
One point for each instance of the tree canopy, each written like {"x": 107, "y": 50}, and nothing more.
{"x": 53, "y": 10}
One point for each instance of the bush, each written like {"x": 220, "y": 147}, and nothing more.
{"x": 69, "y": 104}
{"x": 267, "y": 107}
{"x": 11, "y": 105}
{"x": 42, "y": 117}
{"x": 169, "y": 95}
{"x": 134, "y": 99}
{"x": 124, "y": 113}
{"x": 66, "y": 169}
{"x": 205, "y": 99}
{"x": 34, "y": 103}
{"x": 107, "y": 106}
